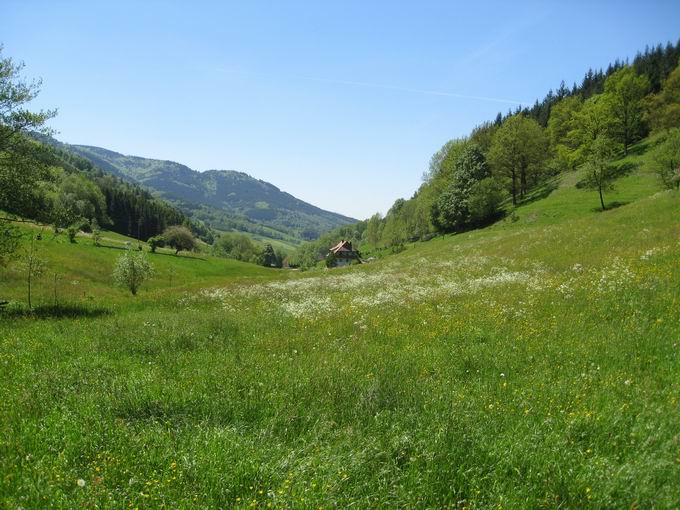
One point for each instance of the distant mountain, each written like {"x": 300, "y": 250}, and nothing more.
{"x": 225, "y": 199}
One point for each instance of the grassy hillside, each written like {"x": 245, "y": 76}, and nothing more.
{"x": 84, "y": 271}
{"x": 532, "y": 364}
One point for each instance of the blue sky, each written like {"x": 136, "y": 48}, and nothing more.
{"x": 339, "y": 103}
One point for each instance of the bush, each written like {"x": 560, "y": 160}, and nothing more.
{"x": 72, "y": 232}
{"x": 156, "y": 242}
{"x": 331, "y": 260}
{"x": 131, "y": 270}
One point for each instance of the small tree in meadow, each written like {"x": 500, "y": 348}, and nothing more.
{"x": 180, "y": 238}
{"x": 131, "y": 270}
{"x": 33, "y": 266}
{"x": 600, "y": 173}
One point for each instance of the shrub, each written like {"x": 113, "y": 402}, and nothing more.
{"x": 331, "y": 260}
{"x": 156, "y": 242}
{"x": 72, "y": 232}
{"x": 131, "y": 270}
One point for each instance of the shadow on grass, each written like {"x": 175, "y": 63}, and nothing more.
{"x": 626, "y": 169}
{"x": 609, "y": 207}
{"x": 179, "y": 255}
{"x": 67, "y": 310}
{"x": 540, "y": 193}
{"x": 642, "y": 147}
{"x": 615, "y": 205}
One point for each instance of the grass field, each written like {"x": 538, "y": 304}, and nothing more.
{"x": 532, "y": 364}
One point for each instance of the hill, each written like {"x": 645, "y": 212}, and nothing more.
{"x": 225, "y": 199}
{"x": 529, "y": 364}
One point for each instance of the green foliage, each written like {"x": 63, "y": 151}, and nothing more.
{"x": 180, "y": 238}
{"x": 21, "y": 164}
{"x": 624, "y": 94}
{"x": 269, "y": 257}
{"x": 331, "y": 260}
{"x": 131, "y": 270}
{"x": 484, "y": 201}
{"x": 593, "y": 120}
{"x": 9, "y": 242}
{"x": 451, "y": 211}
{"x": 665, "y": 159}
{"x": 72, "y": 232}
{"x": 373, "y": 231}
{"x": 483, "y": 134}
{"x": 561, "y": 120}
{"x": 33, "y": 266}
{"x": 663, "y": 109}
{"x": 518, "y": 150}
{"x": 599, "y": 171}
{"x": 97, "y": 236}
{"x": 156, "y": 242}
{"x": 237, "y": 246}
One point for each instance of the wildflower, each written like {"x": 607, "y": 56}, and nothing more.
{"x": 81, "y": 482}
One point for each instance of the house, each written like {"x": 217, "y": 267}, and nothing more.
{"x": 343, "y": 254}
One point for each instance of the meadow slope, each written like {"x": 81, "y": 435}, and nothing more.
{"x": 532, "y": 364}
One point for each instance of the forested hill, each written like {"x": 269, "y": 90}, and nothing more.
{"x": 587, "y": 130}
{"x": 226, "y": 199}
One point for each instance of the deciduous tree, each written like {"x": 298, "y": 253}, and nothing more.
{"x": 600, "y": 173}
{"x": 180, "y": 238}
{"x": 20, "y": 164}
{"x": 663, "y": 109}
{"x": 518, "y": 149}
{"x": 624, "y": 92}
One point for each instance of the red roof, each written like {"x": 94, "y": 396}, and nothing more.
{"x": 343, "y": 245}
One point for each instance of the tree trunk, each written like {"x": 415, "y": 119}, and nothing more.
{"x": 514, "y": 188}
{"x": 601, "y": 199}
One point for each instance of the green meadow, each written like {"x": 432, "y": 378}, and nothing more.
{"x": 531, "y": 364}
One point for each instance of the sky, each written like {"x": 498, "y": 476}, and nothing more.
{"x": 341, "y": 103}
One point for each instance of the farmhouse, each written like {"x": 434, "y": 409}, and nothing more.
{"x": 344, "y": 254}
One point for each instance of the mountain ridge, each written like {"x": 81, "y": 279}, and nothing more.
{"x": 227, "y": 200}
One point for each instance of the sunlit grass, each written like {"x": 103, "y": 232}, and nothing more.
{"x": 533, "y": 364}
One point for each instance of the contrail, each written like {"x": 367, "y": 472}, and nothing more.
{"x": 377, "y": 86}
{"x": 412, "y": 90}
